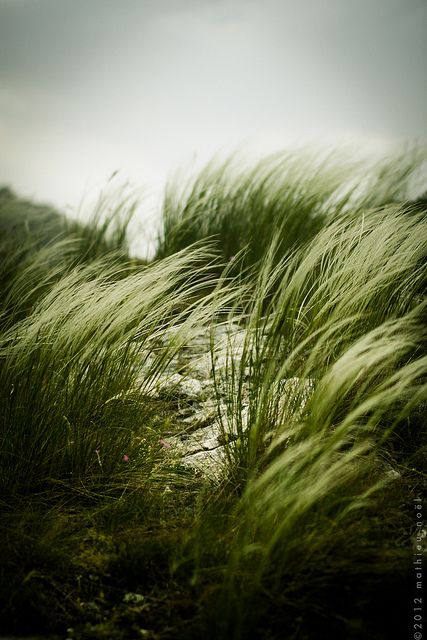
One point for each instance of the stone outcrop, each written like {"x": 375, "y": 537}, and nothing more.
{"x": 196, "y": 380}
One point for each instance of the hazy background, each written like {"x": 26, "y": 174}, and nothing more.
{"x": 88, "y": 87}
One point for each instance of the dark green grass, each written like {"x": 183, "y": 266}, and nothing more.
{"x": 289, "y": 197}
{"x": 306, "y": 534}
{"x": 39, "y": 246}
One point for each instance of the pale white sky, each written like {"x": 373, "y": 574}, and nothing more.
{"x": 88, "y": 87}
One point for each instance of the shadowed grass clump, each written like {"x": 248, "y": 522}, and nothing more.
{"x": 72, "y": 369}
{"x": 304, "y": 316}
{"x": 331, "y": 370}
{"x": 39, "y": 246}
{"x": 289, "y": 197}
{"x": 308, "y": 483}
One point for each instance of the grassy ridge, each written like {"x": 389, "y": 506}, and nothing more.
{"x": 320, "y": 401}
{"x": 287, "y": 196}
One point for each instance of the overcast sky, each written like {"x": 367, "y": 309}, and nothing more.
{"x": 88, "y": 87}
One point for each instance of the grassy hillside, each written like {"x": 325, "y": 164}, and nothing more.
{"x": 302, "y": 283}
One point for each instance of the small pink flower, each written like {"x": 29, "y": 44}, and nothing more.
{"x": 125, "y": 458}
{"x": 165, "y": 444}
{"x": 231, "y": 258}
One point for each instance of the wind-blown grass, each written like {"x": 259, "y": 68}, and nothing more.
{"x": 319, "y": 397}
{"x": 306, "y": 312}
{"x": 74, "y": 365}
{"x": 289, "y": 197}
{"x": 311, "y": 478}
{"x": 332, "y": 367}
{"x": 39, "y": 246}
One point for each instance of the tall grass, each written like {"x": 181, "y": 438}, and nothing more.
{"x": 39, "y": 246}
{"x": 319, "y": 385}
{"x": 310, "y": 478}
{"x": 332, "y": 367}
{"x": 71, "y": 369}
{"x": 303, "y": 314}
{"x": 287, "y": 196}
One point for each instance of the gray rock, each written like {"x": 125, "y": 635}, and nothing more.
{"x": 177, "y": 385}
{"x": 208, "y": 425}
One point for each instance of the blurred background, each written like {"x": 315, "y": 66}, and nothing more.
{"x": 143, "y": 87}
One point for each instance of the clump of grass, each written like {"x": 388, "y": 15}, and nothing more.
{"x": 331, "y": 368}
{"x": 304, "y": 313}
{"x": 287, "y": 196}
{"x": 72, "y": 369}
{"x": 313, "y": 472}
{"x": 106, "y": 231}
{"x": 39, "y": 246}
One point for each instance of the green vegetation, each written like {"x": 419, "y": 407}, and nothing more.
{"x": 287, "y": 196}
{"x": 306, "y": 279}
